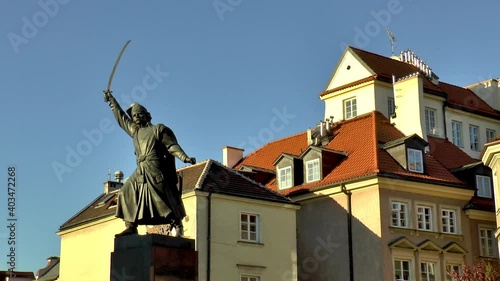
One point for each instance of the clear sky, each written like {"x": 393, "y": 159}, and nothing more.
{"x": 227, "y": 72}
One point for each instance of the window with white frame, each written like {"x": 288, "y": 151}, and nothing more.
{"x": 450, "y": 269}
{"x": 391, "y": 106}
{"x": 483, "y": 184}
{"x": 350, "y": 108}
{"x": 415, "y": 161}
{"x": 402, "y": 270}
{"x": 312, "y": 170}
{"x": 487, "y": 242}
{"x": 249, "y": 278}
{"x": 399, "y": 214}
{"x": 490, "y": 135}
{"x": 285, "y": 177}
{"x": 249, "y": 227}
{"x": 456, "y": 131}
{"x": 449, "y": 221}
{"x": 424, "y": 217}
{"x": 430, "y": 121}
{"x": 428, "y": 271}
{"x": 474, "y": 137}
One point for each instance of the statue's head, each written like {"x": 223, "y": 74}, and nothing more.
{"x": 139, "y": 114}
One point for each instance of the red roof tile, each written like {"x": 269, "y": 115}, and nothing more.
{"x": 466, "y": 99}
{"x": 448, "y": 154}
{"x": 360, "y": 138}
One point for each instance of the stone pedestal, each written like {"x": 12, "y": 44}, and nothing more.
{"x": 154, "y": 257}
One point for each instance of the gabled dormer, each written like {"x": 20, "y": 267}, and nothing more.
{"x": 409, "y": 152}
{"x": 319, "y": 162}
{"x": 288, "y": 171}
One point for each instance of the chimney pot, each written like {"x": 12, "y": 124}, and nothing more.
{"x": 231, "y": 155}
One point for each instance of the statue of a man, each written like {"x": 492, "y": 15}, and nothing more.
{"x": 150, "y": 195}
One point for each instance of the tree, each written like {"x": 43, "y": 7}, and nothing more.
{"x": 479, "y": 271}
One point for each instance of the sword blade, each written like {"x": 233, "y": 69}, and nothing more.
{"x": 116, "y": 64}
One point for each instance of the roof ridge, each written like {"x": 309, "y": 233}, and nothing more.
{"x": 252, "y": 181}
{"x": 204, "y": 173}
{"x": 271, "y": 142}
{"x": 188, "y": 167}
{"x": 81, "y": 211}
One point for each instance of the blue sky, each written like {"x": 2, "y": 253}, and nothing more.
{"x": 216, "y": 72}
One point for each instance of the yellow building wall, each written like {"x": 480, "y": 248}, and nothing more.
{"x": 436, "y": 103}
{"x": 365, "y": 101}
{"x": 470, "y": 119}
{"x": 410, "y": 107}
{"x": 274, "y": 257}
{"x": 348, "y": 70}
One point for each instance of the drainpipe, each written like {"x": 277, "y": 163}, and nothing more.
{"x": 349, "y": 230}
{"x": 209, "y": 233}
{"x": 444, "y": 120}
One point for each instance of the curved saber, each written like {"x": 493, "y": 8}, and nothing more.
{"x": 108, "y": 90}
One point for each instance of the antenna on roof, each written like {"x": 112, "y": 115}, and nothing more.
{"x": 109, "y": 174}
{"x": 392, "y": 38}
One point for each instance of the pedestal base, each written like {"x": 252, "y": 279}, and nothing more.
{"x": 154, "y": 257}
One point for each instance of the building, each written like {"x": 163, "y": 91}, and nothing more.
{"x": 406, "y": 89}
{"x": 51, "y": 271}
{"x": 491, "y": 158}
{"x": 16, "y": 276}
{"x": 390, "y": 184}
{"x": 233, "y": 220}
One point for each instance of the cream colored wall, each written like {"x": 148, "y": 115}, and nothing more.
{"x": 365, "y": 101}
{"x": 470, "y": 119}
{"x": 434, "y": 102}
{"x": 343, "y": 76}
{"x": 86, "y": 253}
{"x": 383, "y": 91}
{"x": 491, "y": 158}
{"x": 464, "y": 238}
{"x": 410, "y": 107}
{"x": 323, "y": 252}
{"x": 274, "y": 257}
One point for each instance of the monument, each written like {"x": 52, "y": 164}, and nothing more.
{"x": 150, "y": 196}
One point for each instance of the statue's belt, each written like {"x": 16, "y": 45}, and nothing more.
{"x": 149, "y": 157}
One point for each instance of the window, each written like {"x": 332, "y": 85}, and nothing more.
{"x": 285, "y": 177}
{"x": 312, "y": 172}
{"x": 456, "y": 130}
{"x": 486, "y": 240}
{"x": 399, "y": 214}
{"x": 430, "y": 121}
{"x": 474, "y": 137}
{"x": 483, "y": 184}
{"x": 452, "y": 268}
{"x": 402, "y": 270}
{"x": 350, "y": 108}
{"x": 424, "y": 217}
{"x": 249, "y": 278}
{"x": 415, "y": 162}
{"x": 391, "y": 106}
{"x": 449, "y": 221}
{"x": 428, "y": 271}
{"x": 249, "y": 227}
{"x": 490, "y": 135}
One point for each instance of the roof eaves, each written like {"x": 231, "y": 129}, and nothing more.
{"x": 204, "y": 174}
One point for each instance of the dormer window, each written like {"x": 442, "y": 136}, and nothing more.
{"x": 415, "y": 161}
{"x": 312, "y": 170}
{"x": 350, "y": 108}
{"x": 285, "y": 177}
{"x": 483, "y": 184}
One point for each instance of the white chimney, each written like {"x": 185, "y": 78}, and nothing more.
{"x": 231, "y": 155}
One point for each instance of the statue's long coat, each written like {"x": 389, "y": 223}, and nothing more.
{"x": 150, "y": 195}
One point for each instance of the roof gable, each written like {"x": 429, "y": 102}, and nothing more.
{"x": 349, "y": 69}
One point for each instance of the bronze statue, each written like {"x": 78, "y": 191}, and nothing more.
{"x": 150, "y": 196}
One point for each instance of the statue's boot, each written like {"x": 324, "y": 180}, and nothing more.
{"x": 130, "y": 229}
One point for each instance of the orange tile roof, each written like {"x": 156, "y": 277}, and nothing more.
{"x": 466, "y": 99}
{"x": 448, "y": 154}
{"x": 360, "y": 138}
